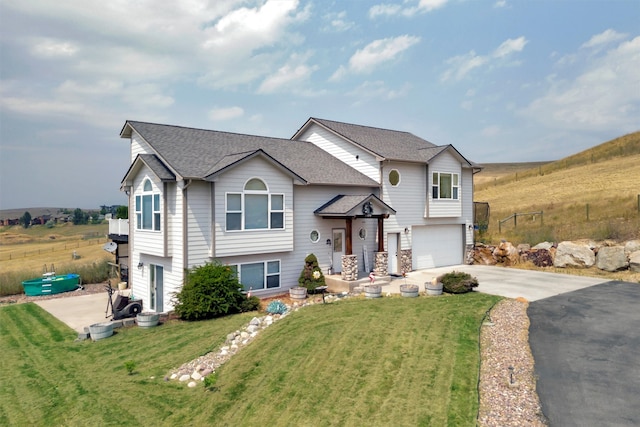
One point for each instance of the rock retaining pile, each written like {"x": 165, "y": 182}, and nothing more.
{"x": 608, "y": 255}
{"x": 196, "y": 370}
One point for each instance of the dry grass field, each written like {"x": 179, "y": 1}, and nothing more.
{"x": 591, "y": 195}
{"x": 25, "y": 252}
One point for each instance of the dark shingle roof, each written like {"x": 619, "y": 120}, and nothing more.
{"x": 197, "y": 153}
{"x": 390, "y": 144}
{"x": 342, "y": 205}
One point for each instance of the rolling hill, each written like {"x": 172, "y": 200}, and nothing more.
{"x": 592, "y": 194}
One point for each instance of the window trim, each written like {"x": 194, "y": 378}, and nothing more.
{"x": 454, "y": 189}
{"x": 271, "y": 211}
{"x": 154, "y": 200}
{"x": 265, "y": 277}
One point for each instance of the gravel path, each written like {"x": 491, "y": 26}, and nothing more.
{"x": 508, "y": 399}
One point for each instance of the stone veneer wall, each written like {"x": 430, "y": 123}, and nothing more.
{"x": 349, "y": 267}
{"x": 381, "y": 264}
{"x": 406, "y": 262}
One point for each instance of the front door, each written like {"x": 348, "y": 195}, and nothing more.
{"x": 338, "y": 249}
{"x": 392, "y": 250}
{"x": 156, "y": 285}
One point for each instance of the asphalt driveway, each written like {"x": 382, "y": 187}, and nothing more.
{"x": 586, "y": 346}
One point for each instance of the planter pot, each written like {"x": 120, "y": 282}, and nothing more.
{"x": 409, "y": 291}
{"x": 433, "y": 289}
{"x": 298, "y": 293}
{"x": 147, "y": 320}
{"x": 372, "y": 291}
{"x": 100, "y": 330}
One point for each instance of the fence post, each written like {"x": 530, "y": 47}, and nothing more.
{"x": 515, "y": 220}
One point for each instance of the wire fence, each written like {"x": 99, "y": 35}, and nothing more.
{"x": 47, "y": 249}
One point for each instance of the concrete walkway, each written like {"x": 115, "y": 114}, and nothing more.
{"x": 78, "y": 311}
{"x": 506, "y": 282}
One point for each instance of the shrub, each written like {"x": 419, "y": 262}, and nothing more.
{"x": 250, "y": 304}
{"x": 211, "y": 290}
{"x": 311, "y": 276}
{"x": 457, "y": 282}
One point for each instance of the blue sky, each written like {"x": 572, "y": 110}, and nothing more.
{"x": 503, "y": 81}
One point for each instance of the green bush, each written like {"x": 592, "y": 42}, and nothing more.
{"x": 211, "y": 290}
{"x": 457, "y": 282}
{"x": 250, "y": 304}
{"x": 311, "y": 276}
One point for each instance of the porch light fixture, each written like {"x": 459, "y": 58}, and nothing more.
{"x": 140, "y": 265}
{"x": 328, "y": 242}
{"x": 406, "y": 230}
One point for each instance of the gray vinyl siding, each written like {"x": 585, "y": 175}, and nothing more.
{"x": 359, "y": 159}
{"x": 138, "y": 146}
{"x": 446, "y": 163}
{"x": 307, "y": 200}
{"x": 198, "y": 222}
{"x": 247, "y": 242}
{"x": 407, "y": 198}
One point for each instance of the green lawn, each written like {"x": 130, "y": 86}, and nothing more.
{"x": 391, "y": 361}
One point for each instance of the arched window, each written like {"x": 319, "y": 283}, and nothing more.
{"x": 255, "y": 208}
{"x": 147, "y": 207}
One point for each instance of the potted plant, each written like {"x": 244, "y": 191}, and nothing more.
{"x": 434, "y": 287}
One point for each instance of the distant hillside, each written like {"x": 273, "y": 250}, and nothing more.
{"x": 492, "y": 171}
{"x": 592, "y": 194}
{"x": 35, "y": 212}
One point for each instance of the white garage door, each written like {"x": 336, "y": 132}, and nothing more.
{"x": 437, "y": 246}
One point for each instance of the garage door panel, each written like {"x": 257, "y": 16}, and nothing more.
{"x": 437, "y": 246}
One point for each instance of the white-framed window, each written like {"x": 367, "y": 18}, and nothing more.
{"x": 445, "y": 186}
{"x": 255, "y": 208}
{"x": 258, "y": 275}
{"x": 147, "y": 208}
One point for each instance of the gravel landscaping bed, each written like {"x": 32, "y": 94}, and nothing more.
{"x": 508, "y": 396}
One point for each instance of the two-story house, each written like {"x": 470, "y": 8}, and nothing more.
{"x": 357, "y": 197}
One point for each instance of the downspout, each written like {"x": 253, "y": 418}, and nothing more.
{"x": 165, "y": 220}
{"x": 185, "y": 228}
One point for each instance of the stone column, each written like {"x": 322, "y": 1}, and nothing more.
{"x": 381, "y": 264}
{"x": 406, "y": 263}
{"x": 349, "y": 267}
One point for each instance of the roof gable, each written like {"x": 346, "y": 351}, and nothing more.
{"x": 353, "y": 205}
{"x": 152, "y": 162}
{"x": 198, "y": 153}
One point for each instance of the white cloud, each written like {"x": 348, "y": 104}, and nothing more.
{"x": 338, "y": 22}
{"x": 365, "y": 60}
{"x": 510, "y": 46}
{"x": 51, "y": 48}
{"x": 600, "y": 98}
{"x": 290, "y": 76}
{"x": 500, "y": 3}
{"x": 378, "y": 90}
{"x": 604, "y": 38}
{"x": 408, "y": 9}
{"x": 491, "y": 131}
{"x": 228, "y": 113}
{"x": 461, "y": 65}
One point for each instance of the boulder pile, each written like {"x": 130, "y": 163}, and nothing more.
{"x": 607, "y": 255}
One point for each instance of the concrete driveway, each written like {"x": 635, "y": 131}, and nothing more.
{"x": 507, "y": 282}
{"x": 586, "y": 346}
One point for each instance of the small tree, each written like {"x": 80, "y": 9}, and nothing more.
{"x": 311, "y": 276}
{"x": 25, "y": 219}
{"x": 80, "y": 217}
{"x": 211, "y": 290}
{"x": 122, "y": 212}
